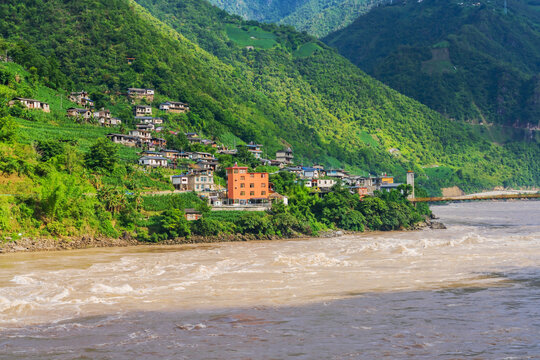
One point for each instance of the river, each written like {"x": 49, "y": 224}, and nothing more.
{"x": 471, "y": 291}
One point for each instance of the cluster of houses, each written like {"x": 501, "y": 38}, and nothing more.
{"x": 243, "y": 188}
{"x": 31, "y": 104}
{"x": 141, "y": 112}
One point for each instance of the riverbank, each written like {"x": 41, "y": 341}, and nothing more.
{"x": 88, "y": 242}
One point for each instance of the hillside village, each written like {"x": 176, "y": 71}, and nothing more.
{"x": 196, "y": 170}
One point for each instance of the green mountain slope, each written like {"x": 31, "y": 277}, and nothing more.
{"x": 469, "y": 60}
{"x": 317, "y": 17}
{"x": 289, "y": 90}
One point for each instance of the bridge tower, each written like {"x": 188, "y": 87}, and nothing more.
{"x": 410, "y": 181}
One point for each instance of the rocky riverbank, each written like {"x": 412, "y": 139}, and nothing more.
{"x": 86, "y": 242}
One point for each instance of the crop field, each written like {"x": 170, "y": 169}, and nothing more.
{"x": 306, "y": 50}
{"x": 171, "y": 201}
{"x": 231, "y": 216}
{"x": 85, "y": 135}
{"x": 251, "y": 36}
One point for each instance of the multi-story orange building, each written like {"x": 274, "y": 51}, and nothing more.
{"x": 244, "y": 187}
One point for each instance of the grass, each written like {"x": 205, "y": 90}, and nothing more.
{"x": 306, "y": 50}
{"x": 251, "y": 36}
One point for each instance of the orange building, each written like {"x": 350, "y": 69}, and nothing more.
{"x": 244, "y": 187}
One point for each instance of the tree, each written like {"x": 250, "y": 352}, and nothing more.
{"x": 49, "y": 149}
{"x": 8, "y": 129}
{"x": 245, "y": 157}
{"x": 102, "y": 155}
{"x": 174, "y": 223}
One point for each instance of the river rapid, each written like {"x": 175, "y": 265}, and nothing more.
{"x": 471, "y": 291}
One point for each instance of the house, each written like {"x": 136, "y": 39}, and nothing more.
{"x": 275, "y": 197}
{"x": 285, "y": 156}
{"x": 170, "y": 154}
{"x": 147, "y": 127}
{"x": 388, "y": 187}
{"x": 337, "y": 173}
{"x": 310, "y": 173}
{"x": 112, "y": 122}
{"x": 174, "y": 107}
{"x": 127, "y": 140}
{"x": 154, "y": 161}
{"x": 192, "y": 214}
{"x": 102, "y": 116}
{"x": 142, "y": 110}
{"x": 149, "y": 153}
{"x": 324, "y": 185}
{"x": 296, "y": 170}
{"x": 207, "y": 142}
{"x": 81, "y": 98}
{"x": 195, "y": 180}
{"x": 79, "y": 113}
{"x": 360, "y": 190}
{"x": 202, "y": 156}
{"x": 244, "y": 187}
{"x": 144, "y": 135}
{"x": 149, "y": 120}
{"x": 158, "y": 142}
{"x": 139, "y": 94}
{"x": 384, "y": 179}
{"x": 31, "y": 104}
{"x": 226, "y": 151}
{"x": 255, "y": 149}
{"x": 208, "y": 164}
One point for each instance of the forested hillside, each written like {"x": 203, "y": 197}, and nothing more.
{"x": 253, "y": 82}
{"x": 469, "y": 60}
{"x": 317, "y": 17}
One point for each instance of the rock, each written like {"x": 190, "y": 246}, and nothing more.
{"x": 19, "y": 248}
{"x": 437, "y": 225}
{"x": 339, "y": 233}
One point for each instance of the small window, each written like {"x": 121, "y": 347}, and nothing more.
{"x": 236, "y": 171}
{"x": 243, "y": 171}
{"x": 263, "y": 176}
{"x": 263, "y": 192}
{"x": 251, "y": 175}
{"x": 242, "y": 178}
{"x": 263, "y": 185}
{"x": 252, "y": 193}
{"x": 252, "y": 185}
{"x": 242, "y": 193}
{"x": 242, "y": 185}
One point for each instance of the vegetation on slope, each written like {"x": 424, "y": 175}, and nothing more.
{"x": 469, "y": 60}
{"x": 316, "y": 101}
{"x": 316, "y": 17}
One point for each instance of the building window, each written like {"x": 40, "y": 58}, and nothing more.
{"x": 236, "y": 171}
{"x": 252, "y": 185}
{"x": 263, "y": 192}
{"x": 242, "y": 178}
{"x": 263, "y": 176}
{"x": 242, "y": 185}
{"x": 252, "y": 193}
{"x": 263, "y": 185}
{"x": 242, "y": 171}
{"x": 251, "y": 175}
{"x": 242, "y": 193}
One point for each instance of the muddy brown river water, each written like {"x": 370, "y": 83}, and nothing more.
{"x": 472, "y": 291}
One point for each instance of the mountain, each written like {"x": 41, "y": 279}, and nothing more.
{"x": 316, "y": 17}
{"x": 470, "y": 60}
{"x": 246, "y": 81}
